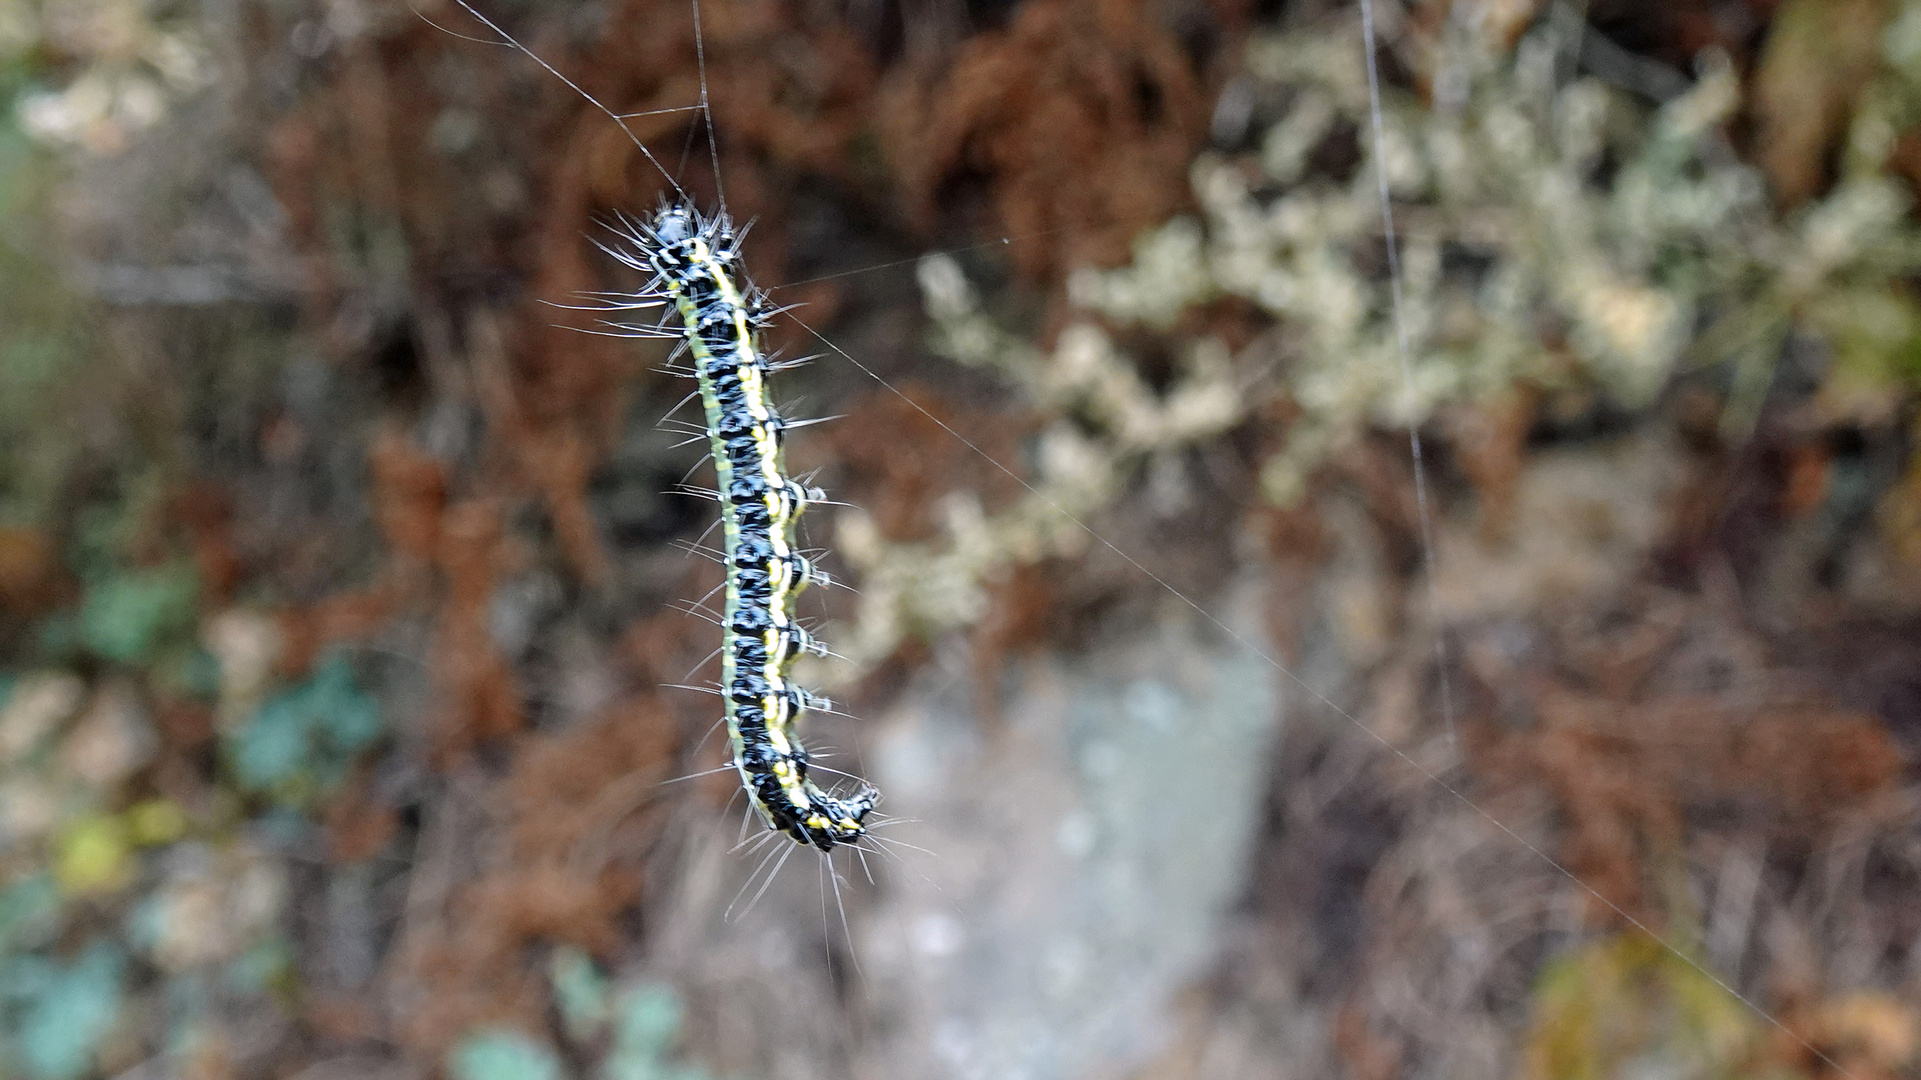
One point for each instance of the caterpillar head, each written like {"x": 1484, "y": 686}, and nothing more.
{"x": 835, "y": 820}
{"x": 792, "y": 804}
{"x": 675, "y": 225}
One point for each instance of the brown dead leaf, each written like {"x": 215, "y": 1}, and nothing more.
{"x": 32, "y": 581}
{"x": 1819, "y": 56}
{"x": 1080, "y": 119}
{"x": 1490, "y": 440}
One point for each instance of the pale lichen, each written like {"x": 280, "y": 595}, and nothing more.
{"x": 136, "y": 66}
{"x": 926, "y": 588}
{"x": 1553, "y": 229}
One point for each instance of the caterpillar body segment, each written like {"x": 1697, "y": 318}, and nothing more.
{"x": 693, "y": 259}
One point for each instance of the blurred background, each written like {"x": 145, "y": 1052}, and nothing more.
{"x": 344, "y": 580}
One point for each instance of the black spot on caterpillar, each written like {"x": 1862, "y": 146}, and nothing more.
{"x": 693, "y": 259}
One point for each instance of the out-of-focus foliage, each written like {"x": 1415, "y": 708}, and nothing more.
{"x": 234, "y": 841}
{"x": 137, "y": 65}
{"x": 301, "y": 742}
{"x": 127, "y": 614}
{"x": 1628, "y": 1005}
{"x": 66, "y": 1010}
{"x": 1553, "y": 230}
{"x": 1630, "y": 1002}
{"x": 636, "y": 1024}
{"x": 503, "y": 1055}
{"x": 1562, "y": 239}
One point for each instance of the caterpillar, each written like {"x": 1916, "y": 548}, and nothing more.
{"x": 693, "y": 259}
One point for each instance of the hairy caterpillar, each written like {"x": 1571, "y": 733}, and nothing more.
{"x": 694, "y": 262}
